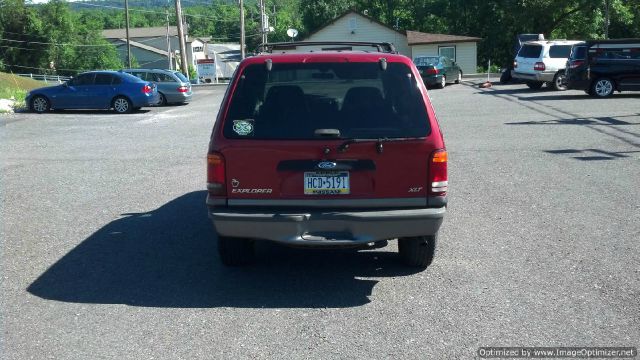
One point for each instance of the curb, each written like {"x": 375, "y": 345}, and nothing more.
{"x": 210, "y": 85}
{"x": 481, "y": 76}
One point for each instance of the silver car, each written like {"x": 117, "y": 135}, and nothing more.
{"x": 173, "y": 86}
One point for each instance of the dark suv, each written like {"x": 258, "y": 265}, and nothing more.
{"x": 327, "y": 149}
{"x": 600, "y": 67}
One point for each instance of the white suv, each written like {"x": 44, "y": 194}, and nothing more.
{"x": 540, "y": 62}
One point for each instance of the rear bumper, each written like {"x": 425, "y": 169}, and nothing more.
{"x": 179, "y": 97}
{"x": 541, "y": 76}
{"x": 145, "y": 100}
{"x": 326, "y": 228}
{"x": 432, "y": 79}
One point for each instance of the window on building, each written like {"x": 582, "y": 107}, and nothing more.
{"x": 448, "y": 51}
{"x": 353, "y": 24}
{"x": 198, "y": 49}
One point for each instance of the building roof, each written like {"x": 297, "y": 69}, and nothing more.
{"x": 139, "y": 32}
{"x": 413, "y": 37}
{"x": 352, "y": 12}
{"x": 418, "y": 38}
{"x": 144, "y": 47}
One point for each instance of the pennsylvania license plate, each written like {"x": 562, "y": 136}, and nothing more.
{"x": 326, "y": 183}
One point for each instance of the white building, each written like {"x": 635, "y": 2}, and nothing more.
{"x": 353, "y": 26}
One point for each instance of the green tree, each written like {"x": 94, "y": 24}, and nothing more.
{"x": 51, "y": 34}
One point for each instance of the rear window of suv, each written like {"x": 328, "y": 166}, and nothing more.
{"x": 579, "y": 53}
{"x": 559, "y": 51}
{"x": 530, "y": 51}
{"x": 293, "y": 100}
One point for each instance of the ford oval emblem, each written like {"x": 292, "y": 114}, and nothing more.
{"x": 327, "y": 165}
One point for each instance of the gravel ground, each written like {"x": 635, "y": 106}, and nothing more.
{"x": 107, "y": 252}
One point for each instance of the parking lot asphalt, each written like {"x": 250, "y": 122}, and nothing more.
{"x": 107, "y": 251}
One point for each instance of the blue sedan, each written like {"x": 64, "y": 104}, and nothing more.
{"x": 96, "y": 90}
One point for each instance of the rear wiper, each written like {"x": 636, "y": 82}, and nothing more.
{"x": 379, "y": 148}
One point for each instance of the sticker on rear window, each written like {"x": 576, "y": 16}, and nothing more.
{"x": 243, "y": 127}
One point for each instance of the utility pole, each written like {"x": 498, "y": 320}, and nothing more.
{"x": 241, "y": 29}
{"x": 606, "y": 18}
{"x": 263, "y": 22}
{"x": 183, "y": 46}
{"x": 168, "y": 44}
{"x": 126, "y": 15}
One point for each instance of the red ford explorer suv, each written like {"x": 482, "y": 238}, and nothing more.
{"x": 327, "y": 148}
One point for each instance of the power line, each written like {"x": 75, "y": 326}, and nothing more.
{"x": 39, "y": 68}
{"x": 23, "y": 34}
{"x": 56, "y": 44}
{"x": 118, "y": 8}
{"x": 198, "y": 2}
{"x": 19, "y": 48}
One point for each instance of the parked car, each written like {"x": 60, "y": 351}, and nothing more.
{"x": 173, "y": 86}
{"x": 438, "y": 70}
{"x": 600, "y": 67}
{"x": 95, "y": 90}
{"x": 327, "y": 149}
{"x": 505, "y": 72}
{"x": 540, "y": 62}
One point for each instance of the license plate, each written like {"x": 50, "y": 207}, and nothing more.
{"x": 326, "y": 183}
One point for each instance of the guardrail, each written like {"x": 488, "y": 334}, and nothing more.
{"x": 46, "y": 78}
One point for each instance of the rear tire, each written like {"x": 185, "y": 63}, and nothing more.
{"x": 559, "y": 83}
{"x": 235, "y": 251}
{"x": 122, "y": 105}
{"x": 417, "y": 251}
{"x": 163, "y": 100}
{"x": 602, "y": 88}
{"x": 535, "y": 85}
{"x": 442, "y": 83}
{"x": 505, "y": 77}
{"x": 459, "y": 78}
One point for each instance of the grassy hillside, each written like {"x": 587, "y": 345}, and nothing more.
{"x": 13, "y": 82}
{"x": 16, "y": 87}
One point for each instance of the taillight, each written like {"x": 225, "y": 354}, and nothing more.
{"x": 575, "y": 63}
{"x": 147, "y": 89}
{"x": 216, "y": 174}
{"x": 438, "y": 172}
{"x": 183, "y": 89}
{"x": 539, "y": 66}
{"x": 432, "y": 71}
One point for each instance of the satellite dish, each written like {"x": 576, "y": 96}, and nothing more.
{"x": 292, "y": 33}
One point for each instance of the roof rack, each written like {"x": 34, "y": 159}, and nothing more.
{"x": 384, "y": 47}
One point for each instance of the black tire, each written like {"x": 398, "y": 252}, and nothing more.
{"x": 559, "y": 82}
{"x": 535, "y": 85}
{"x": 442, "y": 83}
{"x": 163, "y": 100}
{"x": 602, "y": 88}
{"x": 121, "y": 105}
{"x": 40, "y": 104}
{"x": 505, "y": 77}
{"x": 459, "y": 78}
{"x": 417, "y": 251}
{"x": 235, "y": 251}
